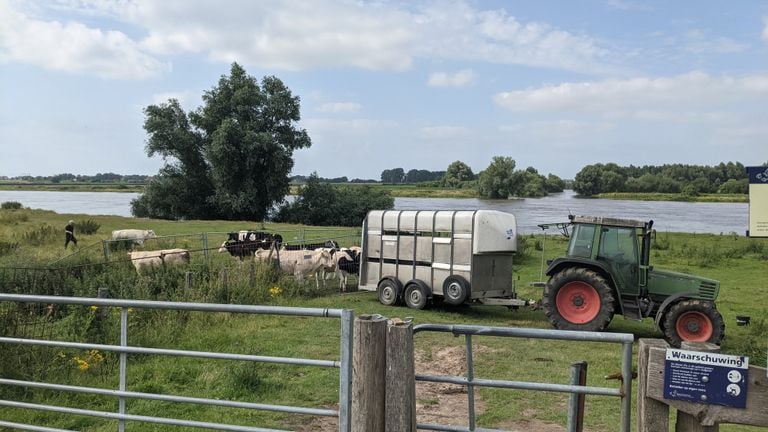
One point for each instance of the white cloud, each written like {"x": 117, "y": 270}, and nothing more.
{"x": 443, "y": 132}
{"x": 695, "y": 92}
{"x": 699, "y": 42}
{"x": 299, "y": 35}
{"x": 765, "y": 29}
{"x": 340, "y": 107}
{"x": 188, "y": 99}
{"x": 459, "y": 79}
{"x": 73, "y": 47}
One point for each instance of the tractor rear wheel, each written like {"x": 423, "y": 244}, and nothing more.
{"x": 578, "y": 299}
{"x": 693, "y": 321}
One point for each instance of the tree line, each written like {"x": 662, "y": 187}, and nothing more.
{"x": 109, "y": 177}
{"x": 500, "y": 179}
{"x": 692, "y": 180}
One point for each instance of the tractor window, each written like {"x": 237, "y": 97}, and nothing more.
{"x": 618, "y": 244}
{"x": 581, "y": 241}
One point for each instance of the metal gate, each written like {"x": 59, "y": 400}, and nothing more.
{"x": 343, "y": 364}
{"x": 625, "y": 339}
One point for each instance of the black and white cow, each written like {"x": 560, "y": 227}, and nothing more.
{"x": 347, "y": 263}
{"x": 244, "y": 243}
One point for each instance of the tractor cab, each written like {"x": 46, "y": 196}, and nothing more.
{"x": 606, "y": 271}
{"x": 620, "y": 246}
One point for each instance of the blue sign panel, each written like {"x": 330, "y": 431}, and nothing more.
{"x": 758, "y": 175}
{"x": 708, "y": 378}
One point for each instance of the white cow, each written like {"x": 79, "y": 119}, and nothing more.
{"x": 138, "y": 236}
{"x": 144, "y": 260}
{"x": 300, "y": 263}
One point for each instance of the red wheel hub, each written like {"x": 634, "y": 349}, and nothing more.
{"x": 694, "y": 326}
{"x": 578, "y": 302}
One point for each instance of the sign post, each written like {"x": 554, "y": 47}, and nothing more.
{"x": 758, "y": 201}
{"x": 708, "y": 378}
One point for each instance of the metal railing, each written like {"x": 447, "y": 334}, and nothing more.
{"x": 344, "y": 364}
{"x": 471, "y": 382}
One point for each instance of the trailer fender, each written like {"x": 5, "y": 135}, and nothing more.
{"x": 669, "y": 301}
{"x": 423, "y": 286}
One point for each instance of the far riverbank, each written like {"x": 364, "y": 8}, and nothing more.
{"x": 397, "y": 191}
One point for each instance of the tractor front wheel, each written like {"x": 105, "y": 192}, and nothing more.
{"x": 693, "y": 321}
{"x": 578, "y": 299}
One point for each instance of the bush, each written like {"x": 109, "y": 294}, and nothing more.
{"x": 87, "y": 227}
{"x": 41, "y": 235}
{"x": 11, "y": 205}
{"x": 322, "y": 204}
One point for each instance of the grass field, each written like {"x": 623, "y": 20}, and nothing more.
{"x": 33, "y": 238}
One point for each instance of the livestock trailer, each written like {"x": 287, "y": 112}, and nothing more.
{"x": 463, "y": 256}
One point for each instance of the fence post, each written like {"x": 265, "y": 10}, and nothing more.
{"x": 652, "y": 415}
{"x": 102, "y": 293}
{"x": 225, "y": 279}
{"x": 576, "y": 400}
{"x": 686, "y": 422}
{"x": 400, "y": 389}
{"x": 187, "y": 283}
{"x": 205, "y": 245}
{"x": 105, "y": 249}
{"x": 368, "y": 373}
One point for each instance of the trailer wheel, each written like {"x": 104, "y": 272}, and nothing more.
{"x": 693, "y": 321}
{"x": 455, "y": 290}
{"x": 389, "y": 292}
{"x": 416, "y": 294}
{"x": 578, "y": 299}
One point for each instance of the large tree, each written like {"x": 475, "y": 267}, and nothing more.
{"x": 456, "y": 173}
{"x": 498, "y": 180}
{"x": 228, "y": 159}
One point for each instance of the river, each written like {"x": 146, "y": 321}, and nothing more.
{"x": 668, "y": 216}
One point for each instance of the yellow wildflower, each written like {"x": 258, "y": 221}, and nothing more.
{"x": 81, "y": 364}
{"x": 275, "y": 291}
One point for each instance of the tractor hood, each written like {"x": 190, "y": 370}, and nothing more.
{"x": 667, "y": 283}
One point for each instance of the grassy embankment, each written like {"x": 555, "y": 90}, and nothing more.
{"x": 403, "y": 191}
{"x": 740, "y": 264}
{"x": 738, "y": 198}
{"x": 71, "y": 187}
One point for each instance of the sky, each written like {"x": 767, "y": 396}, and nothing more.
{"x": 555, "y": 85}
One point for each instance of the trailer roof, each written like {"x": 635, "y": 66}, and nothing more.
{"x": 609, "y": 221}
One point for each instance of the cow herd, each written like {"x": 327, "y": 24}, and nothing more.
{"x": 318, "y": 259}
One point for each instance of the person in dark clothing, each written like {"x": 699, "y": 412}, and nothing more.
{"x": 70, "y": 232}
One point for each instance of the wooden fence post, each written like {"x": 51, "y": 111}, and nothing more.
{"x": 224, "y": 278}
{"x": 652, "y": 415}
{"x": 687, "y": 422}
{"x": 187, "y": 283}
{"x": 368, "y": 373}
{"x": 400, "y": 407}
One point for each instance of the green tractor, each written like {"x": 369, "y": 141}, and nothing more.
{"x": 606, "y": 271}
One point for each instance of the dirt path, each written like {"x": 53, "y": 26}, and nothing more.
{"x": 446, "y": 404}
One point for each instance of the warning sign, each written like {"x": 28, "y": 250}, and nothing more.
{"x": 706, "y": 378}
